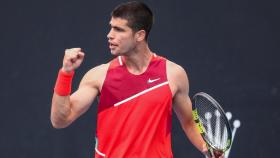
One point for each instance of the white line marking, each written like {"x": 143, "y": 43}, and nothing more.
{"x": 120, "y": 60}
{"x": 100, "y": 153}
{"x": 140, "y": 93}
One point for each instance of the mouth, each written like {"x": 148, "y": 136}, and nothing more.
{"x": 112, "y": 45}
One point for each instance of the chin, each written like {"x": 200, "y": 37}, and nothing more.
{"x": 115, "y": 53}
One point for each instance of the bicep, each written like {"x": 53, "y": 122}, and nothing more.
{"x": 181, "y": 101}
{"x": 183, "y": 108}
{"x": 81, "y": 100}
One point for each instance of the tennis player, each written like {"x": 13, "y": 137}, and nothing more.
{"x": 137, "y": 91}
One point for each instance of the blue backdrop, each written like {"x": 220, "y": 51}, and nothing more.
{"x": 230, "y": 49}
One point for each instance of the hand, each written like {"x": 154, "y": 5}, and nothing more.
{"x": 215, "y": 154}
{"x": 72, "y": 59}
{"x": 218, "y": 154}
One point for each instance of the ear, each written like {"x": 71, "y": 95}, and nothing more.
{"x": 140, "y": 35}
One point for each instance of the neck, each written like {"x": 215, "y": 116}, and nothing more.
{"x": 137, "y": 61}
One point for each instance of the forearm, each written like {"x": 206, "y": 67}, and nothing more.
{"x": 60, "y": 111}
{"x": 194, "y": 136}
{"x": 61, "y": 107}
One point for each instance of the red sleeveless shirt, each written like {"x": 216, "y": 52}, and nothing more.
{"x": 134, "y": 112}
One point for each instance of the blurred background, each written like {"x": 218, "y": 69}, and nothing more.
{"x": 230, "y": 49}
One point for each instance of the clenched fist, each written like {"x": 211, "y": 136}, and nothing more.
{"x": 72, "y": 59}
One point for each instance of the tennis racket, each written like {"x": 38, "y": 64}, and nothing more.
{"x": 212, "y": 123}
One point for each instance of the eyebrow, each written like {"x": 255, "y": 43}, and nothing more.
{"x": 116, "y": 27}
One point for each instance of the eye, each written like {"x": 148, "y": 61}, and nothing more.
{"x": 119, "y": 29}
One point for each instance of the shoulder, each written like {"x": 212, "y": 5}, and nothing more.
{"x": 98, "y": 70}
{"x": 175, "y": 71}
{"x": 177, "y": 77}
{"x": 95, "y": 76}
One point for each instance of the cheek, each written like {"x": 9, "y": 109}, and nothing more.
{"x": 126, "y": 42}
{"x": 129, "y": 45}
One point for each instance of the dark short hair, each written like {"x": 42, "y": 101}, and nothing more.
{"x": 138, "y": 15}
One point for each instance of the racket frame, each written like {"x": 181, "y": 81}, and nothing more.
{"x": 201, "y": 128}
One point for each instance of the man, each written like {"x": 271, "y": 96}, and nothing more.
{"x": 136, "y": 92}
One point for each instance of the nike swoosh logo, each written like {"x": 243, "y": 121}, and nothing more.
{"x": 151, "y": 81}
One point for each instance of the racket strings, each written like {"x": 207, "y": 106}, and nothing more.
{"x": 213, "y": 122}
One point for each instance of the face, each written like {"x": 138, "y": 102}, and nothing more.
{"x": 121, "y": 37}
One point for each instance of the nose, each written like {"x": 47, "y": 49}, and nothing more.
{"x": 110, "y": 34}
